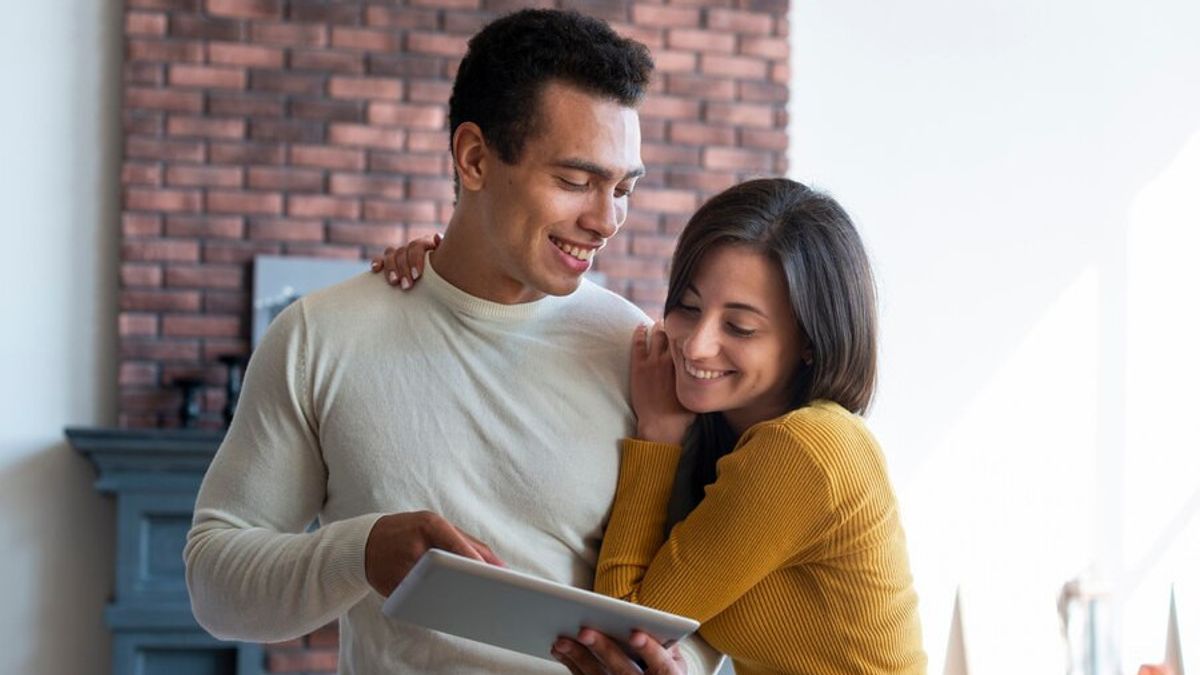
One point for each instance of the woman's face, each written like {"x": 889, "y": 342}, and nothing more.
{"x": 734, "y": 338}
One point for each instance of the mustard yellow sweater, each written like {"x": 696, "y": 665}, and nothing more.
{"x": 794, "y": 561}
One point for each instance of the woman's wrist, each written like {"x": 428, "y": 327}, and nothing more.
{"x": 661, "y": 433}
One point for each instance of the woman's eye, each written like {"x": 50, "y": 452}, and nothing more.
{"x": 739, "y": 331}
{"x": 690, "y": 309}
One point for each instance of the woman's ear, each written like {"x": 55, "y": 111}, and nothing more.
{"x": 470, "y": 154}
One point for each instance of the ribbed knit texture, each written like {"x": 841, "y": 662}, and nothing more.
{"x": 795, "y": 559}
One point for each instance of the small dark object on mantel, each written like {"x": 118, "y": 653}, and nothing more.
{"x": 236, "y": 366}
{"x": 189, "y": 410}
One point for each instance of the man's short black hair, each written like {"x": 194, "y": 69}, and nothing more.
{"x": 510, "y": 60}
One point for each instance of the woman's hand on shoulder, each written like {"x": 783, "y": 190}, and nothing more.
{"x": 660, "y": 416}
{"x": 402, "y": 266}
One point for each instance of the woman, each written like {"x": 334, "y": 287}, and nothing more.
{"x": 793, "y": 557}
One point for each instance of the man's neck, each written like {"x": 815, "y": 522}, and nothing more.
{"x": 469, "y": 267}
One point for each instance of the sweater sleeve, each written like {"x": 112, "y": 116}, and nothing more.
{"x": 769, "y": 506}
{"x": 253, "y": 571}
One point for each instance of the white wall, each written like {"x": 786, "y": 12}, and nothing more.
{"x": 1027, "y": 177}
{"x": 59, "y": 130}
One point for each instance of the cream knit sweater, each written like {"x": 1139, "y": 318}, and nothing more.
{"x": 362, "y": 401}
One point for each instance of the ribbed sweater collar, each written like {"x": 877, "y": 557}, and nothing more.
{"x": 462, "y": 302}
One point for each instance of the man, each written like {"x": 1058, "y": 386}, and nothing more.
{"x": 484, "y": 406}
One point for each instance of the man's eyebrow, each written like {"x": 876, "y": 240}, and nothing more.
{"x": 597, "y": 170}
{"x": 734, "y": 305}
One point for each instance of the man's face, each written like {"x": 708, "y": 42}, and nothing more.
{"x": 549, "y": 213}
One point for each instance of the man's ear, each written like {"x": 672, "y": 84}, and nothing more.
{"x": 470, "y": 155}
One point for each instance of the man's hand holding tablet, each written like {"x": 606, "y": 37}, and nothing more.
{"x": 523, "y": 613}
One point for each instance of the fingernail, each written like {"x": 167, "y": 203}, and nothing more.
{"x": 587, "y": 638}
{"x": 393, "y": 277}
{"x": 416, "y": 273}
{"x": 405, "y": 283}
{"x": 638, "y": 640}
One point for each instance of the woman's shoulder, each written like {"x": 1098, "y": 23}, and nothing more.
{"x": 825, "y": 432}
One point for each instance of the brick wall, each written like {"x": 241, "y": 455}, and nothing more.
{"x": 318, "y": 128}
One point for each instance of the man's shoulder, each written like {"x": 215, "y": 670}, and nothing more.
{"x": 593, "y": 301}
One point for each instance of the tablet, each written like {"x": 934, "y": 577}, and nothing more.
{"x": 517, "y": 611}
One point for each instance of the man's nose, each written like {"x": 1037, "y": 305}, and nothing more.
{"x": 605, "y": 217}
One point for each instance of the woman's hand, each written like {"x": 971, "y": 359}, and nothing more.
{"x": 660, "y": 416}
{"x": 403, "y": 265}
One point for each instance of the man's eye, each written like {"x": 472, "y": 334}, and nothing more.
{"x": 622, "y": 192}
{"x": 571, "y": 185}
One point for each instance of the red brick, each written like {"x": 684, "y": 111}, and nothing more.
{"x": 156, "y": 350}
{"x": 736, "y": 159}
{"x": 216, "y": 77}
{"x": 655, "y": 246}
{"x": 431, "y": 188}
{"x": 141, "y": 225}
{"x": 164, "y": 99}
{"x": 707, "y": 182}
{"x": 205, "y": 276}
{"x": 762, "y": 92}
{"x": 366, "y": 39}
{"x": 408, "y": 163}
{"x": 740, "y": 114}
{"x": 238, "y": 252}
{"x": 366, "y": 87}
{"x": 159, "y": 301}
{"x": 701, "y": 40}
{"x": 429, "y": 91}
{"x": 408, "y": 211}
{"x": 327, "y": 61}
{"x": 246, "y": 153}
{"x": 328, "y": 110}
{"x": 137, "y": 275}
{"x": 744, "y": 67}
{"x": 287, "y": 229}
{"x": 287, "y": 83}
{"x": 157, "y": 50}
{"x": 137, "y": 325}
{"x": 387, "y": 16}
{"x": 780, "y": 73}
{"x": 670, "y": 107}
{"x": 690, "y": 85}
{"x": 632, "y": 268}
{"x": 673, "y": 223}
{"x": 324, "y": 251}
{"x": 206, "y": 127}
{"x": 204, "y": 176}
{"x": 141, "y": 173}
{"x": 446, "y": 4}
{"x": 702, "y": 134}
{"x": 653, "y": 130}
{"x": 318, "y": 206}
{"x": 291, "y": 131}
{"x": 180, "y": 325}
{"x": 736, "y": 21}
{"x": 161, "y": 249}
{"x": 243, "y": 104}
{"x": 152, "y": 148}
{"x": 239, "y": 54}
{"x": 323, "y": 11}
{"x": 764, "y": 47}
{"x": 205, "y": 28}
{"x": 426, "y": 141}
{"x": 665, "y": 201}
{"x": 145, "y": 23}
{"x": 329, "y": 158}
{"x": 359, "y": 135}
{"x": 669, "y": 61}
{"x": 437, "y": 43}
{"x": 366, "y": 185}
{"x": 766, "y": 139}
{"x": 666, "y": 17}
{"x": 205, "y": 227}
{"x": 286, "y": 180}
{"x": 406, "y": 65}
{"x": 374, "y": 235}
{"x": 217, "y": 302}
{"x": 290, "y": 34}
{"x": 158, "y": 199}
{"x": 664, "y": 154}
{"x": 137, "y": 374}
{"x": 215, "y": 348}
{"x": 245, "y": 9}
{"x": 142, "y": 123}
{"x": 149, "y": 74}
{"x": 228, "y": 201}
{"x": 407, "y": 115}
